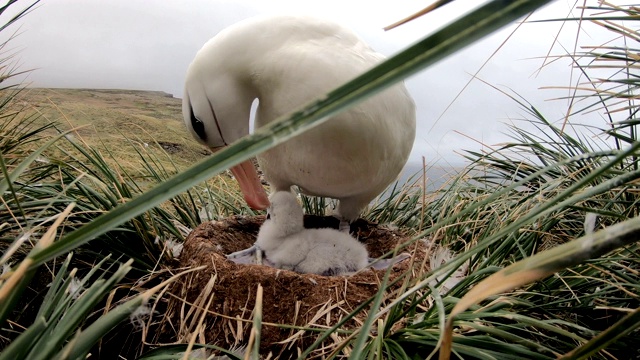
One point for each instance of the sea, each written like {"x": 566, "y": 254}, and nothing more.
{"x": 436, "y": 175}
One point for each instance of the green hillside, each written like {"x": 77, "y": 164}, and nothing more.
{"x": 119, "y": 122}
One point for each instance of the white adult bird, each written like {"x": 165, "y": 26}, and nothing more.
{"x": 286, "y": 244}
{"x": 285, "y": 62}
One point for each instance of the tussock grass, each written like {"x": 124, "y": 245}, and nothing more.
{"x": 54, "y": 170}
{"x": 104, "y": 226}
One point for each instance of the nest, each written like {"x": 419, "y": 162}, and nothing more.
{"x": 228, "y": 290}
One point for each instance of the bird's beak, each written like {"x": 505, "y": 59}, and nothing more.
{"x": 250, "y": 184}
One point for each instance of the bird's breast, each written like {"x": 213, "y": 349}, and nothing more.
{"x": 361, "y": 149}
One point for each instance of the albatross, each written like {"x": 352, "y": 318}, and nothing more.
{"x": 284, "y": 62}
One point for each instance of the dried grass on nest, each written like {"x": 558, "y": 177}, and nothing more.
{"x": 297, "y": 300}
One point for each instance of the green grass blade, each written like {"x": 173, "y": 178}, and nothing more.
{"x": 17, "y": 16}
{"x": 546, "y": 263}
{"x": 9, "y": 178}
{"x": 442, "y": 318}
{"x": 359, "y": 346}
{"x": 53, "y": 295}
{"x": 85, "y": 339}
{"x": 77, "y": 312}
{"x": 23, "y": 343}
{"x": 176, "y": 352}
{"x": 623, "y": 327}
{"x": 12, "y": 287}
{"x": 80, "y": 346}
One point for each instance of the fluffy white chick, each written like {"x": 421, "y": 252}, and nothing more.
{"x": 286, "y": 244}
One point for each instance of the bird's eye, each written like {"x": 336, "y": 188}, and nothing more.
{"x": 268, "y": 216}
{"x": 198, "y": 125}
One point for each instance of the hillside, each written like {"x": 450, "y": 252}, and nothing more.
{"x": 120, "y": 122}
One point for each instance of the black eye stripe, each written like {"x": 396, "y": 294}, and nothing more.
{"x": 197, "y": 125}
{"x": 217, "y": 124}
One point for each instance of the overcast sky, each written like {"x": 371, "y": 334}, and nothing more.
{"x": 148, "y": 45}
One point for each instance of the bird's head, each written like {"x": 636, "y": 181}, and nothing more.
{"x": 285, "y": 212}
{"x": 216, "y": 107}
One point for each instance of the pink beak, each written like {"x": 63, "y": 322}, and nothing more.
{"x": 250, "y": 185}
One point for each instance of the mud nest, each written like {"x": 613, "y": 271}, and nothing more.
{"x": 228, "y": 290}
